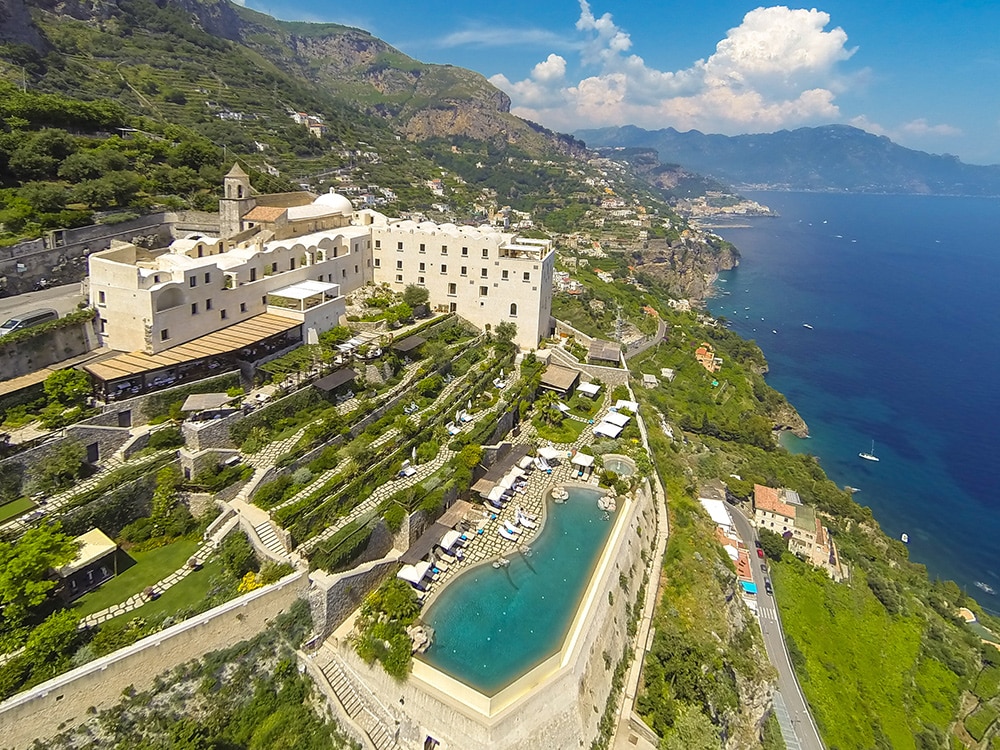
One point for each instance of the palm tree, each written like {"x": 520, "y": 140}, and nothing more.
{"x": 548, "y": 408}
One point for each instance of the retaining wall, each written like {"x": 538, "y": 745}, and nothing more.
{"x": 71, "y": 698}
{"x": 46, "y": 349}
{"x": 333, "y": 596}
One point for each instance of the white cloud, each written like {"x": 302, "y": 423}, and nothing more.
{"x": 917, "y": 133}
{"x": 495, "y": 36}
{"x": 778, "y": 68}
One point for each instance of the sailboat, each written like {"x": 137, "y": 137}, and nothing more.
{"x": 870, "y": 456}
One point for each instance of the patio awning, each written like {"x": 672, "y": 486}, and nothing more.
{"x": 583, "y": 459}
{"x": 409, "y": 573}
{"x": 608, "y": 430}
{"x": 616, "y": 418}
{"x": 589, "y": 389}
{"x": 632, "y": 406}
{"x": 335, "y": 379}
{"x": 206, "y": 401}
{"x": 562, "y": 407}
{"x": 449, "y": 539}
{"x": 549, "y": 453}
{"x": 226, "y": 340}
{"x": 525, "y": 462}
{"x": 409, "y": 344}
{"x": 496, "y": 493}
{"x": 304, "y": 290}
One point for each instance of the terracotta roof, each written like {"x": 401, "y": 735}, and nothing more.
{"x": 820, "y": 533}
{"x": 766, "y": 498}
{"x": 264, "y": 213}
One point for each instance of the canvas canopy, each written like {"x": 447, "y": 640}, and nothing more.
{"x": 589, "y": 389}
{"x": 449, "y": 539}
{"x": 583, "y": 459}
{"x": 632, "y": 406}
{"x": 496, "y": 493}
{"x": 525, "y": 462}
{"x": 410, "y": 573}
{"x": 616, "y": 418}
{"x": 608, "y": 430}
{"x": 549, "y": 453}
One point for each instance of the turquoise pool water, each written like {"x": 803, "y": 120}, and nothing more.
{"x": 493, "y": 625}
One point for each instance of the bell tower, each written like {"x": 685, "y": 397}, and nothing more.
{"x": 235, "y": 202}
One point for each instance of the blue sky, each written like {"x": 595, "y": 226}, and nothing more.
{"x": 926, "y": 74}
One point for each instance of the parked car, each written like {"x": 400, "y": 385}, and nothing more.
{"x": 757, "y": 543}
{"x": 763, "y": 567}
{"x": 28, "y": 320}
{"x": 767, "y": 586}
{"x": 760, "y": 553}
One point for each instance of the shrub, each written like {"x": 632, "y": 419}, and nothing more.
{"x": 237, "y": 555}
{"x": 168, "y": 437}
{"x": 273, "y": 493}
{"x": 394, "y": 516}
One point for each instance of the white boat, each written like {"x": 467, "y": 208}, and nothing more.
{"x": 870, "y": 456}
{"x": 985, "y": 587}
{"x": 806, "y": 325}
{"x": 904, "y": 538}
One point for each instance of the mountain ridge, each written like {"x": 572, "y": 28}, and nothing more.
{"x": 825, "y": 158}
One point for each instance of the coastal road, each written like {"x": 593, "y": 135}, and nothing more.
{"x": 63, "y": 299}
{"x": 797, "y": 725}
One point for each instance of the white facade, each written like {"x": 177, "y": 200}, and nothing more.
{"x": 484, "y": 275}
{"x": 154, "y": 301}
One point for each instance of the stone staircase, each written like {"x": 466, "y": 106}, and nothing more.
{"x": 269, "y": 538}
{"x": 377, "y": 731}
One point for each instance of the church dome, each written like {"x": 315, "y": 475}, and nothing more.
{"x": 336, "y": 201}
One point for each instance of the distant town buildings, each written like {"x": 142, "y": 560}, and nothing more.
{"x": 705, "y": 357}
{"x": 781, "y": 511}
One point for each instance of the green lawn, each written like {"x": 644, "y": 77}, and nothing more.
{"x": 149, "y": 567}
{"x": 186, "y": 595}
{"x": 860, "y": 662}
{"x": 15, "y": 508}
{"x": 566, "y": 432}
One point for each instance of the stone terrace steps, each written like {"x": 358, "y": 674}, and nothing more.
{"x": 376, "y": 730}
{"x": 267, "y": 535}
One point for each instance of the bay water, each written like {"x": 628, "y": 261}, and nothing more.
{"x": 904, "y": 352}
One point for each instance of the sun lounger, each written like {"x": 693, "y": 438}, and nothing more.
{"x": 502, "y": 531}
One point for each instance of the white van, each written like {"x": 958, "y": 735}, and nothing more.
{"x": 28, "y": 320}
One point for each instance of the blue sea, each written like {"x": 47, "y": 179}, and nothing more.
{"x": 904, "y": 351}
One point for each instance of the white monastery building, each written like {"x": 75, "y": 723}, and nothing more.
{"x": 295, "y": 256}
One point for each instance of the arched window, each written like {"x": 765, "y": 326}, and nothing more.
{"x": 513, "y": 309}
{"x": 239, "y": 191}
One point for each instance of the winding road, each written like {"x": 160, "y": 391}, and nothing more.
{"x": 797, "y": 725}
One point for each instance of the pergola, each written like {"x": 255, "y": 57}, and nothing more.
{"x": 304, "y": 295}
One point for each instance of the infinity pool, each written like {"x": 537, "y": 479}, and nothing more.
{"x": 493, "y": 625}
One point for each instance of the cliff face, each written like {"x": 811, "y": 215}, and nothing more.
{"x": 16, "y": 26}
{"x": 687, "y": 266}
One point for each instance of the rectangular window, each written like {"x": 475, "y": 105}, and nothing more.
{"x": 291, "y": 264}
{"x": 156, "y": 278}
{"x": 399, "y": 278}
{"x": 453, "y": 289}
{"x": 378, "y": 263}
{"x": 378, "y": 243}
{"x": 343, "y": 273}
{"x": 253, "y": 274}
{"x": 483, "y": 273}
{"x": 420, "y": 280}
{"x": 423, "y": 267}
{"x": 355, "y": 268}
{"x": 104, "y": 326}
{"x": 399, "y": 265}
{"x": 527, "y": 276}
{"x": 444, "y": 268}
{"x": 243, "y": 307}
{"x": 423, "y": 247}
{"x": 274, "y": 267}
{"x": 483, "y": 291}
{"x": 504, "y": 274}
{"x": 223, "y": 314}
{"x": 194, "y": 308}
{"x": 444, "y": 249}
{"x": 465, "y": 270}
{"x": 208, "y": 304}
{"x": 208, "y": 278}
{"x": 101, "y": 298}
{"x": 192, "y": 282}
{"x": 465, "y": 252}
{"x": 164, "y": 334}
{"x": 399, "y": 246}
{"x": 486, "y": 252}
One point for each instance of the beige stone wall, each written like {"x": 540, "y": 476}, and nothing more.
{"x": 68, "y": 700}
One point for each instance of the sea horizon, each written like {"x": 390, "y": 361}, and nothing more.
{"x": 897, "y": 291}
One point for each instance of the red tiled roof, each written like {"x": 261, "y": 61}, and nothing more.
{"x": 766, "y": 498}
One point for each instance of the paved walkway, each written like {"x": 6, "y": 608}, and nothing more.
{"x": 135, "y": 601}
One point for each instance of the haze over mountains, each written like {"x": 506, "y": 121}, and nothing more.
{"x": 828, "y": 158}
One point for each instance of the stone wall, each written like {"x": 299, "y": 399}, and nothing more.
{"x": 46, "y": 349}
{"x": 108, "y": 439}
{"x": 71, "y": 698}
{"x": 611, "y": 376}
{"x": 60, "y": 257}
{"x": 333, "y": 596}
{"x": 201, "y": 436}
